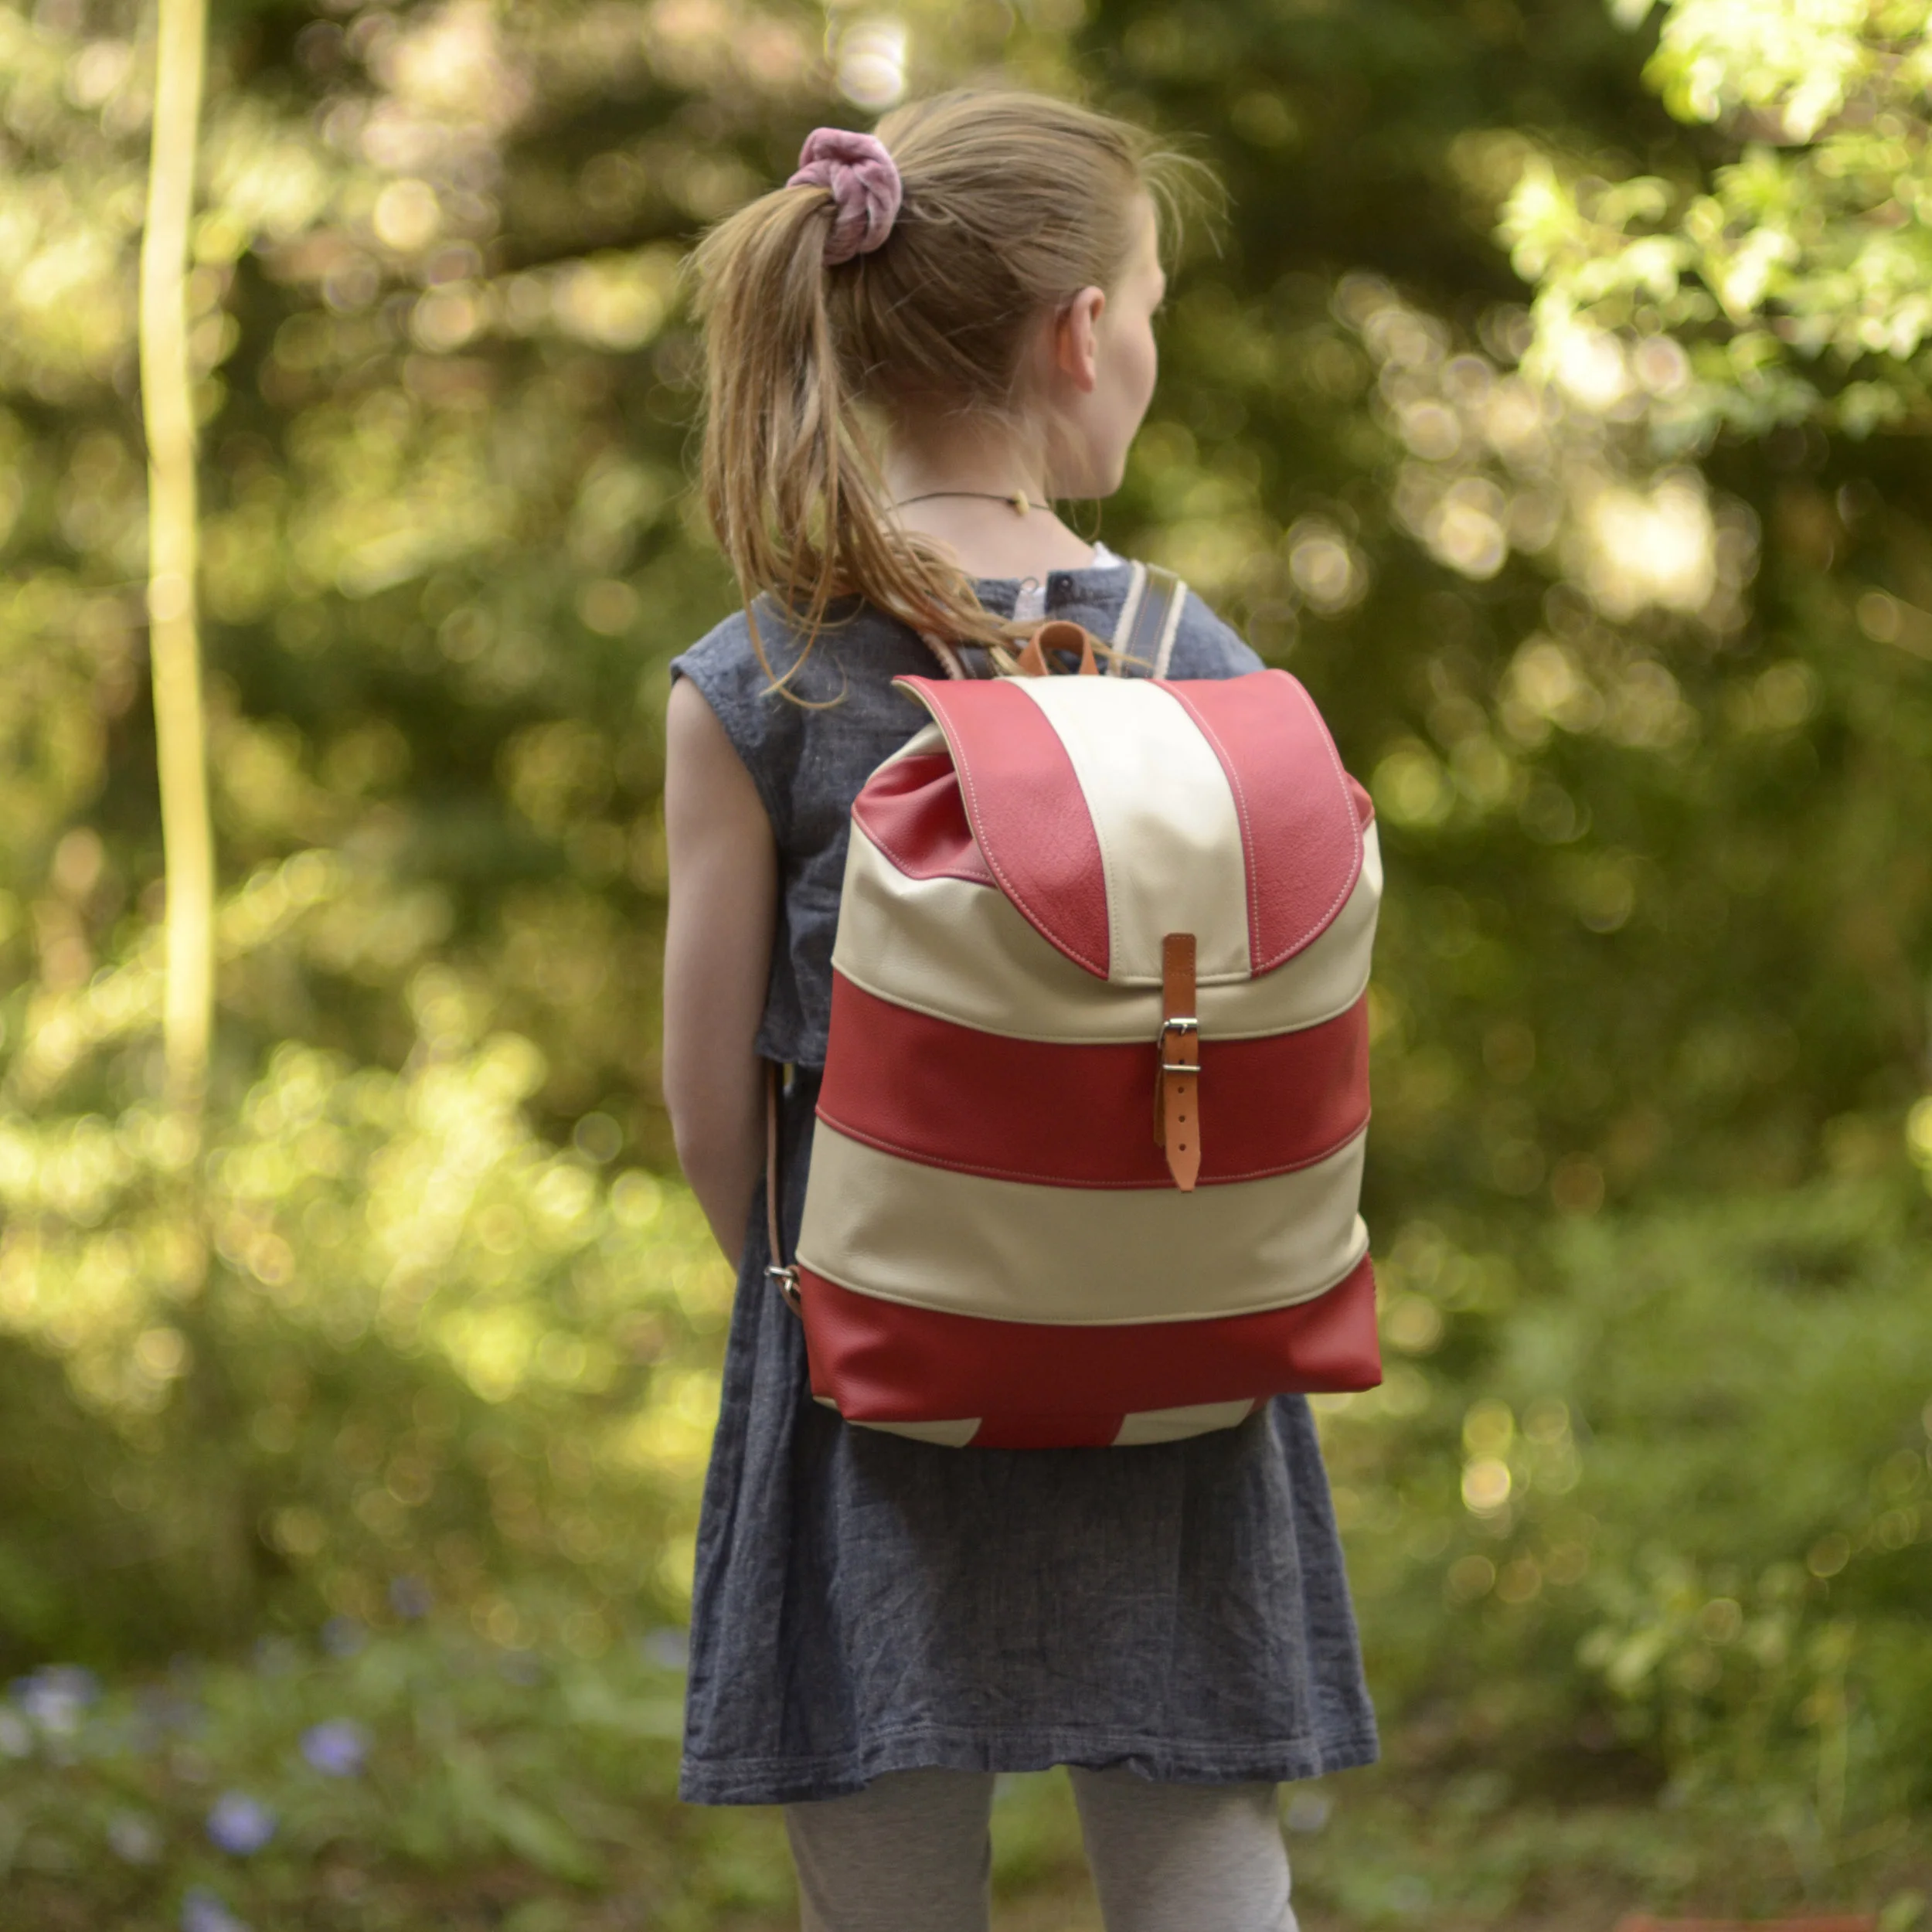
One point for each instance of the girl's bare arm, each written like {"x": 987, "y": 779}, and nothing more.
{"x": 723, "y": 874}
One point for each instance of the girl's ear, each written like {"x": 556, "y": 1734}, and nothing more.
{"x": 1077, "y": 343}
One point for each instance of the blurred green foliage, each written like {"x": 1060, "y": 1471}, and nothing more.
{"x": 1798, "y": 267}
{"x": 1685, "y": 1518}
{"x": 1609, "y": 595}
{"x": 397, "y": 1784}
{"x": 424, "y": 1777}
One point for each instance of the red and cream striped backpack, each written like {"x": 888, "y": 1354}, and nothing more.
{"x": 1089, "y": 1145}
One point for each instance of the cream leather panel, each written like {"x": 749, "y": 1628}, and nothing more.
{"x": 1015, "y": 1251}
{"x": 1148, "y": 1426}
{"x": 1170, "y": 836}
{"x": 959, "y": 951}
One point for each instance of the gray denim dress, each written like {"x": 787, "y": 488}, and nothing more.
{"x": 864, "y": 1604}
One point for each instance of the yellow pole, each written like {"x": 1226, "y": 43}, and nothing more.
{"x": 168, "y": 413}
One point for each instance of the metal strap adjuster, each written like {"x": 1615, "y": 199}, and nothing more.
{"x": 786, "y": 1281}
{"x": 1188, "y": 1029}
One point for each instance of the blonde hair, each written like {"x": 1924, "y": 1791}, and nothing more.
{"x": 1013, "y": 202}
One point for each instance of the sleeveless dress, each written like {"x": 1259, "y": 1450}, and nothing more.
{"x": 864, "y": 1604}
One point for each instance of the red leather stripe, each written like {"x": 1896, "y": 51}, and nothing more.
{"x": 1028, "y": 813}
{"x": 1036, "y": 1385}
{"x": 911, "y": 810}
{"x": 1082, "y": 1116}
{"x": 1299, "y": 830}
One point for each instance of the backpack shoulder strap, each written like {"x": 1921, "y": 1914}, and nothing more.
{"x": 1149, "y": 619}
{"x": 780, "y": 1273}
{"x": 949, "y": 660}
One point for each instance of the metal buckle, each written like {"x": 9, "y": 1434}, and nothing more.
{"x": 786, "y": 1281}
{"x": 1188, "y": 1028}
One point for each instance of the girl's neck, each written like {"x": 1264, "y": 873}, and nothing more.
{"x": 965, "y": 477}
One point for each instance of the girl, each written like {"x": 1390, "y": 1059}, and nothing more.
{"x": 913, "y": 346}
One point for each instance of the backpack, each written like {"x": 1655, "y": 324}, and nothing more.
{"x": 1089, "y": 1145}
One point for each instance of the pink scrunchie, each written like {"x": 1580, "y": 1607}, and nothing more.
{"x": 864, "y": 182}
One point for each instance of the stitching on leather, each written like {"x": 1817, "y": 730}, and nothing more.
{"x": 1317, "y": 927}
{"x": 1342, "y": 780}
{"x": 1137, "y": 1036}
{"x": 1113, "y": 948}
{"x": 1251, "y": 854}
{"x": 963, "y": 878}
{"x": 879, "y": 845}
{"x": 1011, "y": 891}
{"x": 1358, "y": 1256}
{"x": 919, "y": 1157}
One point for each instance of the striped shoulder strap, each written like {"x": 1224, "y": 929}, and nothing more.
{"x": 1150, "y": 618}
{"x": 949, "y": 660}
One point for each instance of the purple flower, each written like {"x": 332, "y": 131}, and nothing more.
{"x": 337, "y": 1748}
{"x": 201, "y": 1911}
{"x": 239, "y": 1824}
{"x": 57, "y": 1697}
{"x": 409, "y": 1597}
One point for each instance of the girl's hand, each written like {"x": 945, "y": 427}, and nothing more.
{"x": 723, "y": 865}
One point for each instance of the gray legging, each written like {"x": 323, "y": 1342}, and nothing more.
{"x": 911, "y": 1853}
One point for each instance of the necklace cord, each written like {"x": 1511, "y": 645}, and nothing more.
{"x": 1017, "y": 501}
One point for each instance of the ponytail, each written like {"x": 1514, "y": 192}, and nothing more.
{"x": 1012, "y": 203}
{"x": 791, "y": 484}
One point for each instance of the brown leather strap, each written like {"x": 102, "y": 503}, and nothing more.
{"x": 1177, "y": 1089}
{"x": 1062, "y": 633}
{"x": 784, "y": 1278}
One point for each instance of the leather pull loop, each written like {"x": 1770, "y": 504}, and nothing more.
{"x": 785, "y": 1279}
{"x": 1061, "y": 634}
{"x": 1177, "y": 1084}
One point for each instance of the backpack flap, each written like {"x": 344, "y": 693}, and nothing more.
{"x": 1112, "y": 812}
